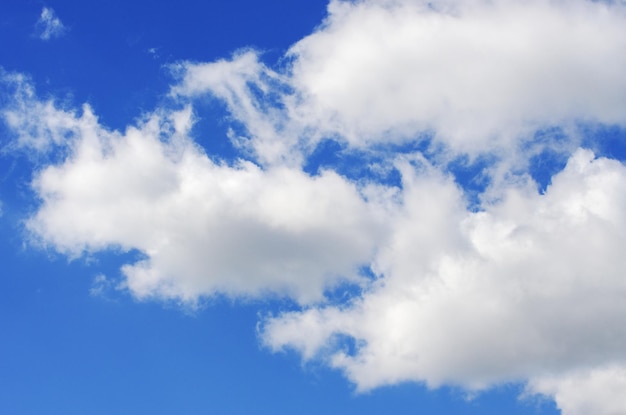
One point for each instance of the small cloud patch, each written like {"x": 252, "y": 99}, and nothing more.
{"x": 49, "y": 26}
{"x": 102, "y": 286}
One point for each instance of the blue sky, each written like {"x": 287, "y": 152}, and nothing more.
{"x": 383, "y": 206}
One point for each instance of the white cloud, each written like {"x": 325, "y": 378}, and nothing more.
{"x": 532, "y": 285}
{"x": 598, "y": 391}
{"x": 528, "y": 288}
{"x": 253, "y": 93}
{"x": 49, "y": 25}
{"x": 205, "y": 228}
{"x": 39, "y": 124}
{"x": 479, "y": 75}
{"x": 475, "y": 73}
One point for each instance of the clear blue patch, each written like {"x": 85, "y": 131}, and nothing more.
{"x": 328, "y": 153}
{"x": 472, "y": 176}
{"x": 16, "y": 194}
{"x": 345, "y": 344}
{"x": 210, "y": 131}
{"x": 364, "y": 165}
{"x": 346, "y": 292}
{"x": 423, "y": 144}
{"x": 544, "y": 165}
{"x": 356, "y": 165}
{"x": 112, "y": 259}
{"x": 605, "y": 141}
{"x": 547, "y": 154}
{"x": 343, "y": 294}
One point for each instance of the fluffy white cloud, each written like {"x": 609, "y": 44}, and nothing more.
{"x": 204, "y": 227}
{"x": 474, "y": 73}
{"x": 49, "y": 25}
{"x": 532, "y": 285}
{"x": 528, "y": 287}
{"x": 599, "y": 391}
{"x": 478, "y": 75}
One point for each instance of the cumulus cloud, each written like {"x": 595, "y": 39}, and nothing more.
{"x": 530, "y": 285}
{"x": 598, "y": 391}
{"x": 49, "y": 25}
{"x": 204, "y": 227}
{"x": 477, "y": 75}
{"x": 525, "y": 286}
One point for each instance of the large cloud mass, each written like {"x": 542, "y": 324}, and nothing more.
{"x": 205, "y": 227}
{"x": 478, "y": 75}
{"x": 533, "y": 284}
{"x": 473, "y": 72}
{"x": 525, "y": 284}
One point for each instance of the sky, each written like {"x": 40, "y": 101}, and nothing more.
{"x": 278, "y": 207}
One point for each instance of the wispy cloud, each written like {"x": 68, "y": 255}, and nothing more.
{"x": 49, "y": 26}
{"x": 103, "y": 287}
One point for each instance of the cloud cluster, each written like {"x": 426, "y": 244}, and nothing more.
{"x": 49, "y": 25}
{"x": 475, "y": 73}
{"x": 527, "y": 286}
{"x": 479, "y": 76}
{"x": 204, "y": 227}
{"x": 531, "y": 285}
{"x": 595, "y": 391}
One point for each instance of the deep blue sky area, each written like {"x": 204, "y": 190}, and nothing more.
{"x": 64, "y": 351}
{"x": 74, "y": 339}
{"x": 116, "y": 53}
